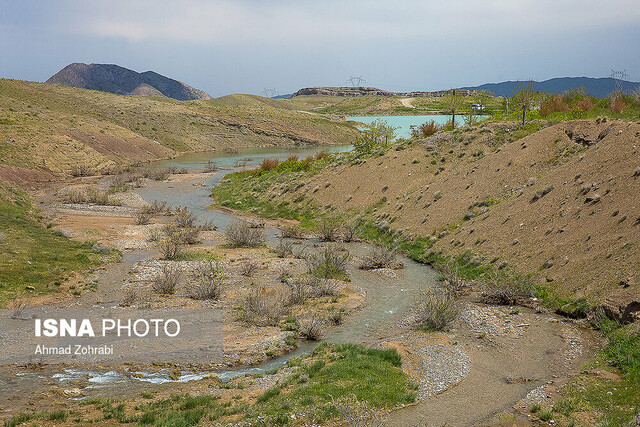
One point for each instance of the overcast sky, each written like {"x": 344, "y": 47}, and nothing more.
{"x": 245, "y": 46}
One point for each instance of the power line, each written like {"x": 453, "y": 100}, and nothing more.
{"x": 356, "y": 81}
{"x": 270, "y": 92}
{"x": 618, "y": 77}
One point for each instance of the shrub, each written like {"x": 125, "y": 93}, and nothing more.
{"x": 171, "y": 244}
{"x": 323, "y": 287}
{"x": 157, "y": 174}
{"x": 502, "y": 291}
{"x": 159, "y": 208}
{"x": 553, "y": 104}
{"x": 284, "y": 248}
{"x": 167, "y": 280}
{"x": 206, "y": 281}
{"x": 269, "y": 164}
{"x": 284, "y": 274}
{"x": 129, "y": 297}
{"x": 143, "y": 216}
{"x": 184, "y": 218}
{"x": 81, "y": 170}
{"x": 350, "y": 232}
{"x": 240, "y": 234}
{"x": 291, "y": 231}
{"x": 17, "y": 309}
{"x": 328, "y": 229}
{"x": 299, "y": 291}
{"x": 426, "y": 129}
{"x": 617, "y": 105}
{"x": 248, "y": 268}
{"x": 263, "y": 308}
{"x": 379, "y": 256}
{"x": 330, "y": 262}
{"x": 210, "y": 166}
{"x": 311, "y": 329}
{"x": 435, "y": 311}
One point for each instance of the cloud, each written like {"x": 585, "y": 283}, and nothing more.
{"x": 333, "y": 22}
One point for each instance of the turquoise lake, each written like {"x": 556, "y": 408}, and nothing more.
{"x": 404, "y": 123}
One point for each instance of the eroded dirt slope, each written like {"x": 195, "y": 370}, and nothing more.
{"x": 561, "y": 203}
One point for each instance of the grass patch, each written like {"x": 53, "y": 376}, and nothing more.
{"x": 32, "y": 255}
{"x": 612, "y": 403}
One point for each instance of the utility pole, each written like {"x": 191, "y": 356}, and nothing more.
{"x": 270, "y": 93}
{"x": 618, "y": 77}
{"x": 356, "y": 81}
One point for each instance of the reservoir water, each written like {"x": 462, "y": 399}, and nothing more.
{"x": 404, "y": 123}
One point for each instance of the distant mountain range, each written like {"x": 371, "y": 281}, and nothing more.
{"x": 123, "y": 81}
{"x": 600, "y": 87}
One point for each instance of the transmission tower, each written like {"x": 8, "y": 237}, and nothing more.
{"x": 618, "y": 77}
{"x": 356, "y": 81}
{"x": 270, "y": 92}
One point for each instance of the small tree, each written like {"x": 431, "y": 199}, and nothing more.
{"x": 452, "y": 104}
{"x": 524, "y": 96}
{"x": 376, "y": 134}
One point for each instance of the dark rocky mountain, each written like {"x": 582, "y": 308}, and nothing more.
{"x": 600, "y": 87}
{"x": 122, "y": 81}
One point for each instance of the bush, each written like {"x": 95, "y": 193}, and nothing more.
{"x": 263, "y": 308}
{"x": 248, "y": 268}
{"x": 379, "y": 256}
{"x": 81, "y": 170}
{"x": 159, "y": 208}
{"x": 311, "y": 329}
{"x": 269, "y": 164}
{"x": 157, "y": 174}
{"x": 350, "y": 232}
{"x": 184, "y": 218}
{"x": 323, "y": 287}
{"x": 502, "y": 291}
{"x": 143, "y": 216}
{"x": 206, "y": 281}
{"x": 553, "y": 104}
{"x": 284, "y": 248}
{"x": 171, "y": 244}
{"x": 129, "y": 297}
{"x": 427, "y": 129}
{"x": 299, "y": 291}
{"x": 167, "y": 281}
{"x": 210, "y": 166}
{"x": 330, "y": 262}
{"x": 291, "y": 231}
{"x": 240, "y": 234}
{"x": 435, "y": 311}
{"x": 328, "y": 229}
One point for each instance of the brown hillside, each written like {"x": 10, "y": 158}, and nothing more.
{"x": 566, "y": 200}
{"x": 51, "y": 128}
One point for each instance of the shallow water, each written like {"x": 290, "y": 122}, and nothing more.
{"x": 404, "y": 123}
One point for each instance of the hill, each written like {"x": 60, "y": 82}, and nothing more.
{"x": 123, "y": 81}
{"x": 46, "y": 130}
{"x": 559, "y": 204}
{"x": 600, "y": 87}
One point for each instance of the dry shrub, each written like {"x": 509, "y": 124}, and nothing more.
{"x": 240, "y": 234}
{"x": 269, "y": 164}
{"x": 311, "y": 329}
{"x": 159, "y": 208}
{"x": 157, "y": 174}
{"x": 379, "y": 256}
{"x": 99, "y": 197}
{"x": 81, "y": 170}
{"x": 435, "y": 311}
{"x": 17, "y": 309}
{"x": 171, "y": 244}
{"x": 190, "y": 235}
{"x": 323, "y": 287}
{"x": 129, "y": 297}
{"x": 503, "y": 291}
{"x": 427, "y": 129}
{"x": 143, "y": 216}
{"x": 328, "y": 229}
{"x": 154, "y": 235}
{"x": 323, "y": 155}
{"x": 284, "y": 248}
{"x": 291, "y": 231}
{"x": 167, "y": 280}
{"x": 249, "y": 267}
{"x": 206, "y": 281}
{"x": 617, "y": 105}
{"x": 184, "y": 218}
{"x": 299, "y": 291}
{"x": 350, "y": 231}
{"x": 74, "y": 195}
{"x": 553, "y": 104}
{"x": 292, "y": 158}
{"x": 584, "y": 104}
{"x": 263, "y": 308}
{"x": 452, "y": 284}
{"x": 210, "y": 166}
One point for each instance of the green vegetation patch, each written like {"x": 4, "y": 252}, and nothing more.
{"x": 610, "y": 402}
{"x": 32, "y": 255}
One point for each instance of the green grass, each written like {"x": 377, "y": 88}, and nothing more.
{"x": 331, "y": 373}
{"x": 613, "y": 403}
{"x": 44, "y": 415}
{"x": 32, "y": 255}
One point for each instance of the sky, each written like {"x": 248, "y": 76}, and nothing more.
{"x": 247, "y": 46}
